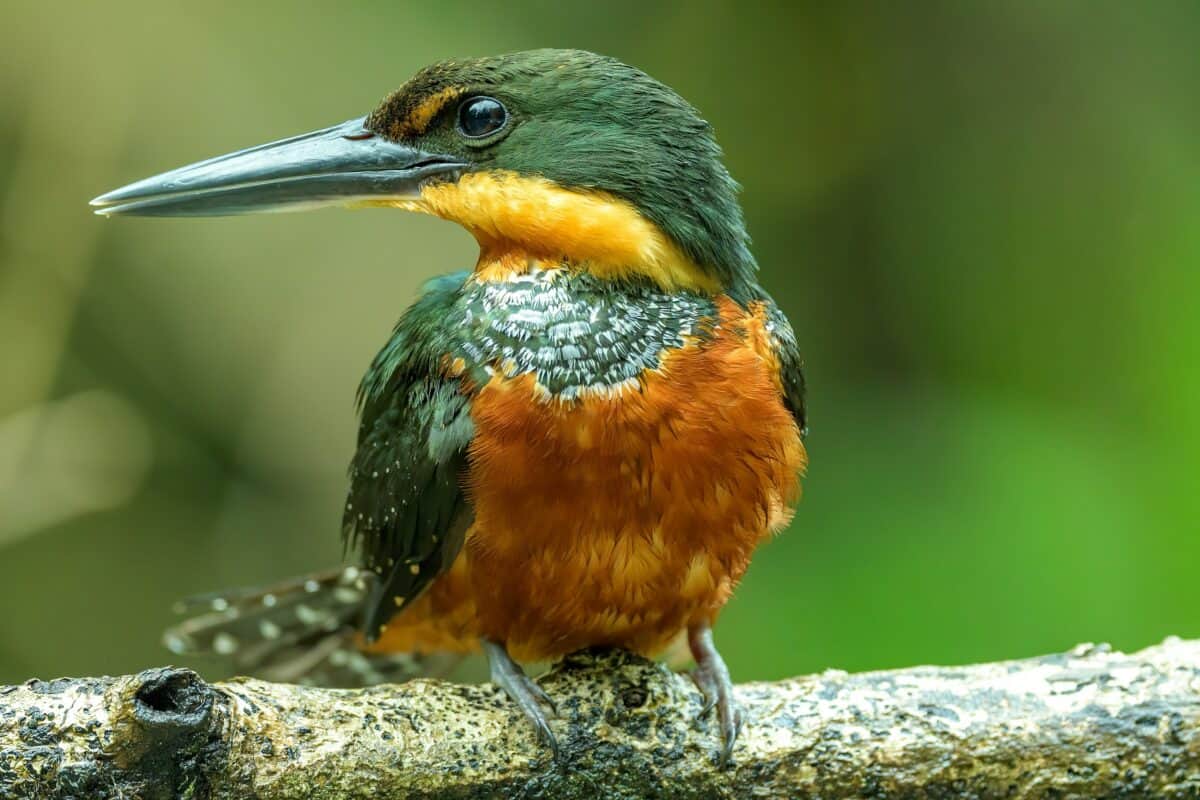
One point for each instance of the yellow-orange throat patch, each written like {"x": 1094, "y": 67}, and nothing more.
{"x": 535, "y": 218}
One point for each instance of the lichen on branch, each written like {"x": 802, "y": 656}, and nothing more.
{"x": 1088, "y": 723}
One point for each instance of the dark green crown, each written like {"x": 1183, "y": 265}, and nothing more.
{"x": 589, "y": 122}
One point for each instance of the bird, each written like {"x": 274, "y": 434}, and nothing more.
{"x": 578, "y": 442}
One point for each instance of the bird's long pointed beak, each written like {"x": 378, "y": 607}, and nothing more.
{"x": 334, "y": 166}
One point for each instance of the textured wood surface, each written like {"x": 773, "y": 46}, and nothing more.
{"x": 1088, "y": 723}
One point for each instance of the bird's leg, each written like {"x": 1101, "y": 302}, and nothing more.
{"x": 712, "y": 678}
{"x": 529, "y": 697}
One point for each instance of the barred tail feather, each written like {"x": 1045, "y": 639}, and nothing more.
{"x": 303, "y": 630}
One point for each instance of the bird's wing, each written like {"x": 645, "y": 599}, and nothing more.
{"x": 783, "y": 344}
{"x": 791, "y": 367}
{"x": 406, "y": 509}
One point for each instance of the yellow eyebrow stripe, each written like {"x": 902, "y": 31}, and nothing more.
{"x": 418, "y": 119}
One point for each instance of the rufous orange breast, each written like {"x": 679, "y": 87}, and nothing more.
{"x": 619, "y": 516}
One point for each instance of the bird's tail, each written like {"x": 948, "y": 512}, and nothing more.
{"x": 304, "y": 630}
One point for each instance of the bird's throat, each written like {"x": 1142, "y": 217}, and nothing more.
{"x": 522, "y": 222}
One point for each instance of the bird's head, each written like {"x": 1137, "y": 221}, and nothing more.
{"x": 558, "y": 155}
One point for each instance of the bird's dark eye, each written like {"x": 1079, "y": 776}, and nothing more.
{"x": 480, "y": 116}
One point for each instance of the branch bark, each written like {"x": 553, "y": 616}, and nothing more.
{"x": 1088, "y": 723}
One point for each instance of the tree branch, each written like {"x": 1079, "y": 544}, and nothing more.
{"x": 1089, "y": 723}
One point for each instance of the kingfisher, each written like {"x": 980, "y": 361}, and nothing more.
{"x": 579, "y": 442}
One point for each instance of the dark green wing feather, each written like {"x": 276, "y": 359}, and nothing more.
{"x": 406, "y": 510}
{"x": 791, "y": 365}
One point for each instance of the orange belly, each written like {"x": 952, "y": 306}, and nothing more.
{"x": 617, "y": 519}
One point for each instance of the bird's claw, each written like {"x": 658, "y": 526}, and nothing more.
{"x": 540, "y": 695}
{"x": 523, "y": 691}
{"x": 537, "y": 717}
{"x": 711, "y": 677}
{"x": 708, "y": 689}
{"x": 731, "y": 718}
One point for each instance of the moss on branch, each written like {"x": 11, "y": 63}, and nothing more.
{"x": 1089, "y": 723}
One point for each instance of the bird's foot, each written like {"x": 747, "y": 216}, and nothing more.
{"x": 711, "y": 677}
{"x": 529, "y": 697}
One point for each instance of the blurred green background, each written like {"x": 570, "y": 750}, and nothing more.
{"x": 981, "y": 218}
